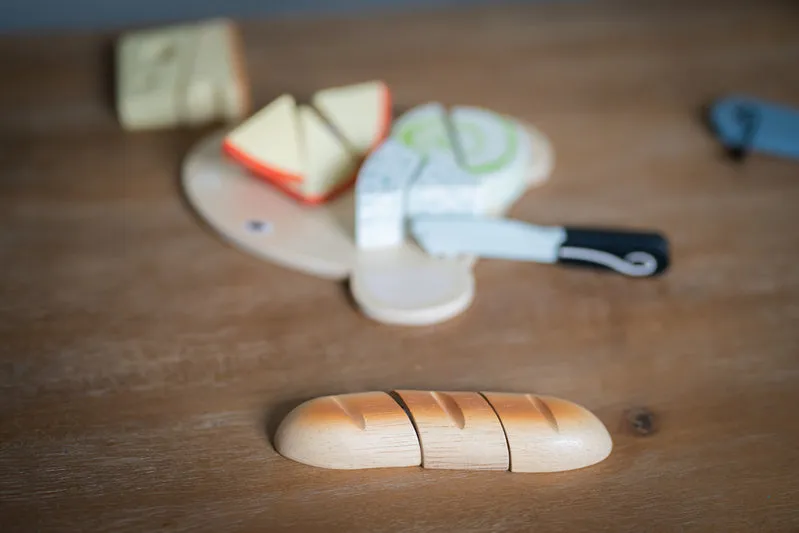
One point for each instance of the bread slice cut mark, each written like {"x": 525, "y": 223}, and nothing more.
{"x": 541, "y": 406}
{"x": 504, "y": 431}
{"x": 450, "y": 407}
{"x": 351, "y": 411}
{"x": 397, "y": 398}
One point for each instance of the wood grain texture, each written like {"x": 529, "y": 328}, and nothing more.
{"x": 144, "y": 362}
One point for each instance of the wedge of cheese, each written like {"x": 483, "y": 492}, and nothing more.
{"x": 380, "y": 195}
{"x": 312, "y": 154}
{"x": 328, "y": 165}
{"x": 424, "y": 129}
{"x": 360, "y": 113}
{"x": 268, "y": 144}
{"x": 442, "y": 188}
{"x": 496, "y": 150}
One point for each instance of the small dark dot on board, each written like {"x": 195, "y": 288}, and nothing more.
{"x": 259, "y": 226}
{"x": 642, "y": 421}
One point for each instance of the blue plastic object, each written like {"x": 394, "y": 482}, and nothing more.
{"x": 746, "y": 125}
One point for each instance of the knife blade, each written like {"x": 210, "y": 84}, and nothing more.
{"x": 632, "y": 253}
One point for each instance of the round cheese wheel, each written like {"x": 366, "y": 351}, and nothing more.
{"x": 505, "y": 156}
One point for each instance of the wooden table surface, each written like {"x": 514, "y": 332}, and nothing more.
{"x": 145, "y": 362}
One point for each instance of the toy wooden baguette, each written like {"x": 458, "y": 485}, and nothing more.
{"x": 364, "y": 430}
{"x": 451, "y": 430}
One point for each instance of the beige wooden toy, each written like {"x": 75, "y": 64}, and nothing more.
{"x": 374, "y": 427}
{"x": 453, "y": 430}
{"x": 542, "y": 432}
{"x": 457, "y": 430}
{"x": 187, "y": 74}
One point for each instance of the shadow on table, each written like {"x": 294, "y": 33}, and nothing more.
{"x": 275, "y": 414}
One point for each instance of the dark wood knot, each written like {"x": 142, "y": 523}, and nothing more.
{"x": 642, "y": 421}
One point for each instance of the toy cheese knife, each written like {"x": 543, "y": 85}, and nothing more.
{"x": 633, "y": 253}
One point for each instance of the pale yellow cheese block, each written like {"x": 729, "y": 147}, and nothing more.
{"x": 184, "y": 74}
{"x": 327, "y": 162}
{"x": 218, "y": 88}
{"x": 361, "y": 113}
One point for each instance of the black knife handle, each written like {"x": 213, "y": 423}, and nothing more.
{"x": 633, "y": 253}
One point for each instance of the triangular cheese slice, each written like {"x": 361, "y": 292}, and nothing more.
{"x": 329, "y": 165}
{"x": 269, "y": 142}
{"x": 425, "y": 129}
{"x": 361, "y": 113}
{"x": 497, "y": 151}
